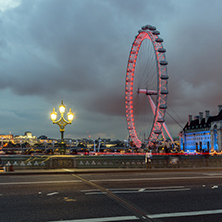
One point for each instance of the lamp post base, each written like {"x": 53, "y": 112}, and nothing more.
{"x": 62, "y": 149}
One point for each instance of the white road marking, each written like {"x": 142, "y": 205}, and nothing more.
{"x": 91, "y": 190}
{"x": 114, "y": 180}
{"x": 157, "y": 178}
{"x": 213, "y": 174}
{"x": 184, "y": 214}
{"x": 104, "y": 219}
{"x": 41, "y": 182}
{"x": 141, "y": 190}
{"x": 153, "y": 216}
{"x": 145, "y": 188}
{"x": 95, "y": 193}
{"x": 33, "y": 176}
{"x": 136, "y": 191}
{"x": 151, "y": 188}
{"x": 51, "y": 194}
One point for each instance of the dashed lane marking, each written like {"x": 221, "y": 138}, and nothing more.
{"x": 51, "y": 194}
{"x": 141, "y": 190}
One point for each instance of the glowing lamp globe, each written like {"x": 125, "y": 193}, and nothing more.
{"x": 53, "y": 115}
{"x": 70, "y": 115}
{"x": 62, "y": 108}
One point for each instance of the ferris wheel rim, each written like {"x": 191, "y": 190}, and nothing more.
{"x": 150, "y": 33}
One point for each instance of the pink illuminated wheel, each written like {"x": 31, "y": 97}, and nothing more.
{"x": 146, "y": 87}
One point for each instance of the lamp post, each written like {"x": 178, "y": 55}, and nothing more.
{"x": 62, "y": 122}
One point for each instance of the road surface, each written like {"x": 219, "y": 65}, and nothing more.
{"x": 143, "y": 196}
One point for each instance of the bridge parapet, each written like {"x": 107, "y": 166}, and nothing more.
{"x": 120, "y": 161}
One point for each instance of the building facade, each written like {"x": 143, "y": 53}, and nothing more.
{"x": 202, "y": 134}
{"x": 6, "y": 138}
{"x": 26, "y": 138}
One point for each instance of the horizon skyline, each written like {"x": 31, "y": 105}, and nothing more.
{"x": 78, "y": 52}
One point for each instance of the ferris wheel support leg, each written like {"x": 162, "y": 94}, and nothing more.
{"x": 153, "y": 106}
{"x": 164, "y": 137}
{"x": 168, "y": 133}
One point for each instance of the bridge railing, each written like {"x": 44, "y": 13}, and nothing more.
{"x": 26, "y": 161}
{"x": 109, "y": 161}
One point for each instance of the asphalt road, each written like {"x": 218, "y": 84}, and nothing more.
{"x": 144, "y": 196}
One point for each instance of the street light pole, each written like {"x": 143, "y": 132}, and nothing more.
{"x": 62, "y": 122}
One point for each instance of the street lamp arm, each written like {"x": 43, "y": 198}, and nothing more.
{"x": 62, "y": 122}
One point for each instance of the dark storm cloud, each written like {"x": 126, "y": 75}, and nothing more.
{"x": 79, "y": 41}
{"x": 195, "y": 59}
{"x": 78, "y": 51}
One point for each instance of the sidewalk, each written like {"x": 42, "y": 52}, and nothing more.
{"x": 104, "y": 170}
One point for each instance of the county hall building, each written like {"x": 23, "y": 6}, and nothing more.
{"x": 203, "y": 133}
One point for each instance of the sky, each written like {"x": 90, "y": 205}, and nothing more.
{"x": 77, "y": 51}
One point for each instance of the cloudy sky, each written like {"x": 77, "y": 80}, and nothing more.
{"x": 77, "y": 51}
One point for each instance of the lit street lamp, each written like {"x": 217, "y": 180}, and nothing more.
{"x": 62, "y": 122}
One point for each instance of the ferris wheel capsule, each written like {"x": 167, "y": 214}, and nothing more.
{"x": 162, "y": 50}
{"x": 156, "y": 32}
{"x": 163, "y": 63}
{"x": 159, "y": 40}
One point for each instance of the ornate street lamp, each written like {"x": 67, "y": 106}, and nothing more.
{"x": 62, "y": 122}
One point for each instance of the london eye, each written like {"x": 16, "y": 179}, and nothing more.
{"x": 146, "y": 87}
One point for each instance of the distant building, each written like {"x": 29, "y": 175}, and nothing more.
{"x": 7, "y": 138}
{"x": 202, "y": 133}
{"x": 45, "y": 139}
{"x": 27, "y": 138}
